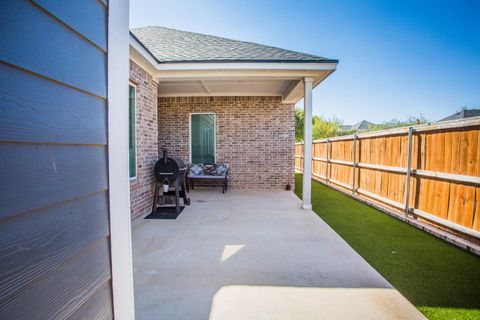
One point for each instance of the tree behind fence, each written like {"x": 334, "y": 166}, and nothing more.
{"x": 445, "y": 169}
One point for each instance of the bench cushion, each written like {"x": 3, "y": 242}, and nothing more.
{"x": 221, "y": 169}
{"x": 195, "y": 169}
{"x": 192, "y": 176}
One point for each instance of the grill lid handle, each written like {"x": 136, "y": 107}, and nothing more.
{"x": 165, "y": 157}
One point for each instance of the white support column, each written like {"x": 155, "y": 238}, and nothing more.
{"x": 119, "y": 181}
{"x": 307, "y": 147}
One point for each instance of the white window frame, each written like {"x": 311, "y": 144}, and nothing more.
{"x": 190, "y": 134}
{"x": 134, "y": 85}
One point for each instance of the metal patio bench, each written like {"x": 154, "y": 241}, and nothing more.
{"x": 200, "y": 174}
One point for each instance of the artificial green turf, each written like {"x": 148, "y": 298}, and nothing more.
{"x": 441, "y": 280}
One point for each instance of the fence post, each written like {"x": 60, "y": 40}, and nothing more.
{"x": 409, "y": 162}
{"x": 302, "y": 160}
{"x": 328, "y": 162}
{"x": 354, "y": 161}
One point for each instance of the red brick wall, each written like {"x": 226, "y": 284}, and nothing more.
{"x": 254, "y": 134}
{"x": 142, "y": 188}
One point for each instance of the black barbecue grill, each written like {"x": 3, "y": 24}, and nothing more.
{"x": 170, "y": 171}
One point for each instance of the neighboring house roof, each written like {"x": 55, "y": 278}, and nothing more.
{"x": 170, "y": 45}
{"x": 362, "y": 125}
{"x": 462, "y": 115}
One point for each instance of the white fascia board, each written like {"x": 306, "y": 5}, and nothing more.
{"x": 237, "y": 74}
{"x": 143, "y": 53}
{"x": 247, "y": 66}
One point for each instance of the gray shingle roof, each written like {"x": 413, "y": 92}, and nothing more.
{"x": 462, "y": 115}
{"x": 170, "y": 45}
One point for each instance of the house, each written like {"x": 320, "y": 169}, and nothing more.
{"x": 246, "y": 90}
{"x": 69, "y": 170}
{"x": 361, "y": 126}
{"x": 463, "y": 114}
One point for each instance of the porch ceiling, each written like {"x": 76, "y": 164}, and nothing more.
{"x": 227, "y": 87}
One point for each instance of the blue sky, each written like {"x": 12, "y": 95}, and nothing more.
{"x": 397, "y": 58}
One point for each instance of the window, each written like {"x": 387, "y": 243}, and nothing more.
{"x": 202, "y": 138}
{"x": 132, "y": 145}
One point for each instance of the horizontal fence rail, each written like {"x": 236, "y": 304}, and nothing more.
{"x": 430, "y": 172}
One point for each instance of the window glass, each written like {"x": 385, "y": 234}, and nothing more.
{"x": 202, "y": 138}
{"x": 132, "y": 147}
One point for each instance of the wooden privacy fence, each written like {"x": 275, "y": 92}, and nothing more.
{"x": 428, "y": 171}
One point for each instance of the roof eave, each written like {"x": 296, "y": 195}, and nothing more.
{"x": 137, "y": 44}
{"x": 250, "y": 61}
{"x": 146, "y": 53}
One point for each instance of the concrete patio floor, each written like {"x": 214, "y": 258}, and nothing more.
{"x": 254, "y": 255}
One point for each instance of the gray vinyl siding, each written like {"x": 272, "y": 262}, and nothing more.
{"x": 54, "y": 212}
